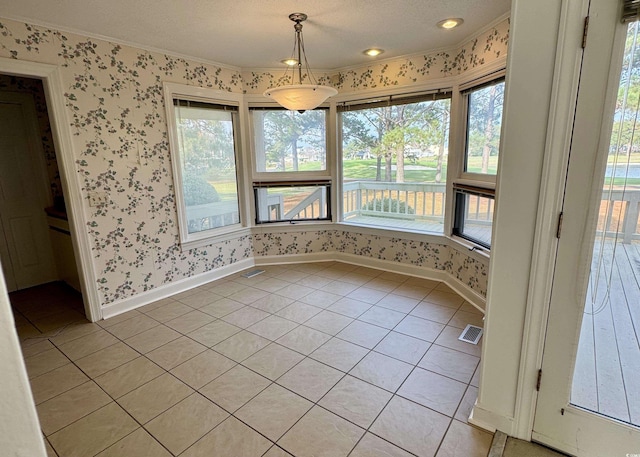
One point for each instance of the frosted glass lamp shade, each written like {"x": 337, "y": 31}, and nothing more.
{"x": 300, "y": 97}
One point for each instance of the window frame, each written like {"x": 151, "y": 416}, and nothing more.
{"x": 459, "y": 213}
{"x": 280, "y": 176}
{"x": 291, "y": 184}
{"x": 174, "y": 91}
{"x": 483, "y": 179}
{"x": 478, "y": 183}
{"x": 415, "y": 95}
{"x": 264, "y": 179}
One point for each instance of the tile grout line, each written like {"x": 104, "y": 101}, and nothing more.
{"x": 305, "y": 356}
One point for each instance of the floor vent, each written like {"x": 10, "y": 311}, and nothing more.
{"x": 252, "y": 273}
{"x": 471, "y": 334}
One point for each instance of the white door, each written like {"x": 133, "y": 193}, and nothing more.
{"x": 25, "y": 247}
{"x": 589, "y": 399}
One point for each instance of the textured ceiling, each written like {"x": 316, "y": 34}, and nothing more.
{"x": 258, "y": 33}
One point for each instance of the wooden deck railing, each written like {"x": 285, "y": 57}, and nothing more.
{"x": 621, "y": 216}
{"x": 212, "y": 215}
{"x": 313, "y": 206}
{"x": 413, "y": 201}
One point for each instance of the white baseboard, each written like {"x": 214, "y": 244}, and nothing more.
{"x": 477, "y": 300}
{"x": 295, "y": 258}
{"x": 490, "y": 420}
{"x": 394, "y": 267}
{"x": 144, "y": 298}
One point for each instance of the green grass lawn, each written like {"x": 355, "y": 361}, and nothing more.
{"x": 366, "y": 169}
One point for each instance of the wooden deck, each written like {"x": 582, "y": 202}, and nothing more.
{"x": 607, "y": 373}
{"x": 405, "y": 224}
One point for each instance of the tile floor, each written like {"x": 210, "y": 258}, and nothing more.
{"x": 323, "y": 359}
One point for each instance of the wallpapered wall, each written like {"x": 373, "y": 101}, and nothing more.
{"x": 486, "y": 48}
{"x": 442, "y": 257}
{"x": 116, "y": 112}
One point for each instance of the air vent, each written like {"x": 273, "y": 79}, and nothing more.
{"x": 471, "y": 334}
{"x": 252, "y": 273}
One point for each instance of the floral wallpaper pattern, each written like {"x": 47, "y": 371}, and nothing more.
{"x": 481, "y": 50}
{"x": 283, "y": 243}
{"x": 115, "y": 107}
{"x": 117, "y": 119}
{"x": 35, "y": 88}
{"x": 435, "y": 256}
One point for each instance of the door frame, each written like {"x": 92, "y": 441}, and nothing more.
{"x": 564, "y": 92}
{"x": 566, "y": 81}
{"x": 517, "y": 309}
{"x": 592, "y": 133}
{"x": 51, "y": 77}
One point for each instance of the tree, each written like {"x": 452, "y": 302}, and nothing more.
{"x": 444, "y": 129}
{"x": 628, "y": 100}
{"x": 485, "y": 119}
{"x": 283, "y": 132}
{"x": 206, "y": 148}
{"x": 390, "y": 131}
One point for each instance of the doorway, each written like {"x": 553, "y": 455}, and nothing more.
{"x": 589, "y": 397}
{"x": 36, "y": 248}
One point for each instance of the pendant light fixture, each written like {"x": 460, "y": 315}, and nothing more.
{"x": 300, "y": 97}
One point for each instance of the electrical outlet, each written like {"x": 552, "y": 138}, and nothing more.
{"x": 98, "y": 198}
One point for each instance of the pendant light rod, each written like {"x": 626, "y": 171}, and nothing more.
{"x": 298, "y": 18}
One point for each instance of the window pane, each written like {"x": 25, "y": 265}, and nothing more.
{"x": 286, "y": 203}
{"x": 208, "y": 165}
{"x": 287, "y": 141}
{"x": 474, "y": 217}
{"x": 395, "y": 165}
{"x": 484, "y": 119}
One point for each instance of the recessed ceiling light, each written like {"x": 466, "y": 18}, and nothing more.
{"x": 373, "y": 52}
{"x": 450, "y": 23}
{"x": 290, "y": 62}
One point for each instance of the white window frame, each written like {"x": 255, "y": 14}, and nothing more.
{"x": 279, "y": 176}
{"x": 298, "y": 178}
{"x": 481, "y": 180}
{"x": 421, "y": 90}
{"x": 483, "y": 183}
{"x": 184, "y": 92}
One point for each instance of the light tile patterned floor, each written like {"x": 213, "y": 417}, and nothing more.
{"x": 323, "y": 359}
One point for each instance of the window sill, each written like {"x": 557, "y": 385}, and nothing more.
{"x": 301, "y": 226}
{"x": 415, "y": 235}
{"x": 472, "y": 249}
{"x": 220, "y": 236}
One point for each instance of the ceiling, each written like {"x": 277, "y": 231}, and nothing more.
{"x": 258, "y": 33}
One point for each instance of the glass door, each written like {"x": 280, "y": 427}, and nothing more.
{"x": 589, "y": 401}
